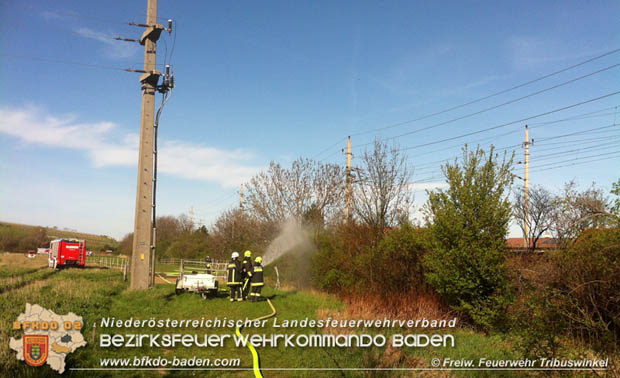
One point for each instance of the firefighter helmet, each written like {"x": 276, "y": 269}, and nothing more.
{"x": 259, "y": 259}
{"x": 235, "y": 255}
{"x": 247, "y": 254}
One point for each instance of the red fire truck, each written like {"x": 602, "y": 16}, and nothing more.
{"x": 66, "y": 252}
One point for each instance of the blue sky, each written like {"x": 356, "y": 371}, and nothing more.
{"x": 274, "y": 80}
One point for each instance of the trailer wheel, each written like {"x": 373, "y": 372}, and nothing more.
{"x": 177, "y": 291}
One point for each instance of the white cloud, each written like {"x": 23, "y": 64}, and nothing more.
{"x": 111, "y": 48}
{"x": 103, "y": 146}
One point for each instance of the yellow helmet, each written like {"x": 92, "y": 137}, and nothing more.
{"x": 247, "y": 254}
{"x": 259, "y": 259}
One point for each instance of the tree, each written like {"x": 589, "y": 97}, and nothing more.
{"x": 185, "y": 223}
{"x": 576, "y": 211}
{"x": 280, "y": 193}
{"x": 237, "y": 231}
{"x": 168, "y": 227}
{"x": 126, "y": 245}
{"x": 536, "y": 215}
{"x": 383, "y": 194}
{"x": 468, "y": 222}
{"x": 189, "y": 245}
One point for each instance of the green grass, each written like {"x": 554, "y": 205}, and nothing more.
{"x": 93, "y": 242}
{"x": 96, "y": 293}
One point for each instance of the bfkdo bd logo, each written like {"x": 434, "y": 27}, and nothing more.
{"x": 36, "y": 349}
{"x": 48, "y": 337}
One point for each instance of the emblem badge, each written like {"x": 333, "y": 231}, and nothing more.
{"x": 36, "y": 349}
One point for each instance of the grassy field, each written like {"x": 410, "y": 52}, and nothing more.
{"x": 95, "y": 293}
{"x": 93, "y": 242}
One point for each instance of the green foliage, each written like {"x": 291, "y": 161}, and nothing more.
{"x": 332, "y": 268}
{"x": 21, "y": 239}
{"x": 397, "y": 262}
{"x": 468, "y": 222}
{"x": 540, "y": 324}
{"x": 590, "y": 283}
{"x": 188, "y": 245}
{"x": 346, "y": 262}
{"x": 579, "y": 298}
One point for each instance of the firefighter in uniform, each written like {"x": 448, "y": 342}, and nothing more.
{"x": 234, "y": 277}
{"x": 257, "y": 280}
{"x": 246, "y": 265}
{"x": 208, "y": 271}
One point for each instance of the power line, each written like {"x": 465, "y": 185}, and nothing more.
{"x": 11, "y": 56}
{"x": 429, "y": 167}
{"x": 220, "y": 199}
{"x": 588, "y": 115}
{"x": 491, "y": 95}
{"x": 580, "y": 141}
{"x": 579, "y": 158}
{"x": 578, "y": 163}
{"x": 499, "y": 105}
{"x": 446, "y": 110}
{"x": 522, "y": 120}
{"x": 599, "y": 147}
{"x": 542, "y": 124}
{"x": 577, "y": 132}
{"x": 329, "y": 148}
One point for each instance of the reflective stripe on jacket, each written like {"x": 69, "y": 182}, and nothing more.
{"x": 257, "y": 275}
{"x": 234, "y": 272}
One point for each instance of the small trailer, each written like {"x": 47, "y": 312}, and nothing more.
{"x": 204, "y": 284}
{"x": 66, "y": 252}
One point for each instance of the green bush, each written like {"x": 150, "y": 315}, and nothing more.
{"x": 397, "y": 262}
{"x": 580, "y": 299}
{"x": 188, "y": 245}
{"x": 347, "y": 263}
{"x": 540, "y": 324}
{"x": 468, "y": 222}
{"x": 332, "y": 265}
{"x": 590, "y": 284}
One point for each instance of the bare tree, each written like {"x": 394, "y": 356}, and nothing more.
{"x": 383, "y": 193}
{"x": 167, "y": 227}
{"x": 536, "y": 215}
{"x": 576, "y": 211}
{"x": 126, "y": 245}
{"x": 185, "y": 223}
{"x": 279, "y": 193}
{"x": 236, "y": 231}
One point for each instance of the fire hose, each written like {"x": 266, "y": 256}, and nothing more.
{"x": 165, "y": 280}
{"x": 255, "y": 358}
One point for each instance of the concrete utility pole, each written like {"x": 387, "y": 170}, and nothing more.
{"x": 526, "y": 189}
{"x": 349, "y": 191}
{"x": 241, "y": 199}
{"x": 142, "y": 236}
